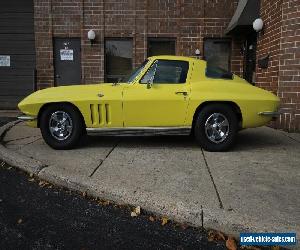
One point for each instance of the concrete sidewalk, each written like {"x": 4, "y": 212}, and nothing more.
{"x": 255, "y": 187}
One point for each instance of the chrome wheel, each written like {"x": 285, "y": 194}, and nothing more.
{"x": 60, "y": 125}
{"x": 217, "y": 128}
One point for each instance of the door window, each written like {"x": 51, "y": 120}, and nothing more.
{"x": 118, "y": 59}
{"x": 166, "y": 71}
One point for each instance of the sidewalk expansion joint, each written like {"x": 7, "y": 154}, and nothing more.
{"x": 106, "y": 156}
{"x": 212, "y": 180}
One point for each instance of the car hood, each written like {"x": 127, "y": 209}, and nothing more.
{"x": 72, "y": 94}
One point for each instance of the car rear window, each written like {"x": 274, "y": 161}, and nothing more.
{"x": 218, "y": 73}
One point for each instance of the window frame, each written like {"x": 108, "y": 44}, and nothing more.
{"x": 156, "y": 60}
{"x": 105, "y": 57}
{"x": 160, "y": 39}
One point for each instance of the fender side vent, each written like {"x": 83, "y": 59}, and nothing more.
{"x": 100, "y": 114}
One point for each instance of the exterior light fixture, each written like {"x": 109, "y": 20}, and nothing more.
{"x": 197, "y": 53}
{"x": 91, "y": 36}
{"x": 258, "y": 24}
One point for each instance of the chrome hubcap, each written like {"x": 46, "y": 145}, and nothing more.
{"x": 60, "y": 125}
{"x": 216, "y": 128}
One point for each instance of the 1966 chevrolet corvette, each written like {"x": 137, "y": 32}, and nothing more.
{"x": 165, "y": 95}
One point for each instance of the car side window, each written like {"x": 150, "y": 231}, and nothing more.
{"x": 166, "y": 72}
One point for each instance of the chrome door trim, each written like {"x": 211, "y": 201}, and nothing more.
{"x": 139, "y": 131}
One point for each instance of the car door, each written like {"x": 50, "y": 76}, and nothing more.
{"x": 160, "y": 97}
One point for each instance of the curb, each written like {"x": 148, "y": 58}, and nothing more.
{"x": 23, "y": 162}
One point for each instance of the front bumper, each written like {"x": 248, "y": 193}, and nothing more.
{"x": 27, "y": 118}
{"x": 273, "y": 114}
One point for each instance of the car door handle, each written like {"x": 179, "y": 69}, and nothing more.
{"x": 181, "y": 93}
{"x": 100, "y": 95}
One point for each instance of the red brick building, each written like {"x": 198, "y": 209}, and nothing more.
{"x": 127, "y": 31}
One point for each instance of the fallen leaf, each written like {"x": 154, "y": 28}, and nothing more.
{"x": 275, "y": 247}
{"x": 133, "y": 214}
{"x": 43, "y": 183}
{"x": 151, "y": 218}
{"x": 214, "y": 235}
{"x": 164, "y": 221}
{"x": 220, "y": 236}
{"x": 230, "y": 244}
{"x": 211, "y": 236}
{"x": 184, "y": 226}
{"x": 31, "y": 179}
{"x": 104, "y": 203}
{"x": 31, "y": 175}
{"x": 250, "y": 248}
{"x": 2, "y": 164}
{"x": 84, "y": 194}
{"x": 137, "y": 210}
{"x": 19, "y": 221}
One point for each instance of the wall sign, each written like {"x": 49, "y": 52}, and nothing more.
{"x": 66, "y": 55}
{"x": 4, "y": 61}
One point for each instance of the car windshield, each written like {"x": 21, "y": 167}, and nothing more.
{"x": 136, "y": 72}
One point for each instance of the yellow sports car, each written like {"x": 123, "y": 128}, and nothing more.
{"x": 165, "y": 95}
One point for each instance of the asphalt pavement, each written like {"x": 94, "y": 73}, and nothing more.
{"x": 39, "y": 216}
{"x": 252, "y": 188}
{"x": 36, "y": 215}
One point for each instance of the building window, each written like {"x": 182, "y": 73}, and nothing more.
{"x": 161, "y": 46}
{"x": 166, "y": 71}
{"x": 217, "y": 53}
{"x": 118, "y": 59}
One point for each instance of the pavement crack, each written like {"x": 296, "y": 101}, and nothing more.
{"x": 21, "y": 138}
{"x": 24, "y": 145}
{"x": 213, "y": 181}
{"x": 33, "y": 141}
{"x": 291, "y": 138}
{"x": 106, "y": 156}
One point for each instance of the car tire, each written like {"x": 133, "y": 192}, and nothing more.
{"x": 216, "y": 127}
{"x": 61, "y": 126}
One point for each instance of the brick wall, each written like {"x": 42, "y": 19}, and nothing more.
{"x": 280, "y": 39}
{"x": 269, "y": 44}
{"x": 188, "y": 21}
{"x": 43, "y": 43}
{"x": 289, "y": 66}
